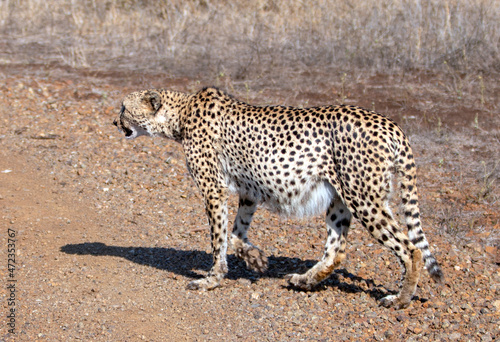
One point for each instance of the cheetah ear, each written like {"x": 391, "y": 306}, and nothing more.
{"x": 152, "y": 100}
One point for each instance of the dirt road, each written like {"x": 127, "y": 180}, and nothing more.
{"x": 108, "y": 232}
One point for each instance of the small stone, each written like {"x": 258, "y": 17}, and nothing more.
{"x": 417, "y": 330}
{"x": 445, "y": 293}
{"x": 486, "y": 337}
{"x": 244, "y": 282}
{"x": 484, "y": 311}
{"x": 329, "y": 301}
{"x": 255, "y": 295}
{"x": 496, "y": 304}
{"x": 494, "y": 252}
{"x": 401, "y": 318}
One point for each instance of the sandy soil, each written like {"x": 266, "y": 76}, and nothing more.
{"x": 108, "y": 232}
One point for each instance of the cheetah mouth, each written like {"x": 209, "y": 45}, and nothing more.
{"x": 133, "y": 132}
{"x": 128, "y": 133}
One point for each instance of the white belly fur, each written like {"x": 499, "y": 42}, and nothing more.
{"x": 313, "y": 199}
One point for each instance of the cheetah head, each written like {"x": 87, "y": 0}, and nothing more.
{"x": 151, "y": 113}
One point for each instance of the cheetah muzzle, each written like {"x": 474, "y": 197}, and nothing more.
{"x": 337, "y": 160}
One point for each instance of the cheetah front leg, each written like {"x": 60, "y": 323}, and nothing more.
{"x": 254, "y": 258}
{"x": 338, "y": 219}
{"x": 216, "y": 208}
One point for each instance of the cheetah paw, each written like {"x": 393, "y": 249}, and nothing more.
{"x": 208, "y": 283}
{"x": 254, "y": 258}
{"x": 393, "y": 301}
{"x": 300, "y": 281}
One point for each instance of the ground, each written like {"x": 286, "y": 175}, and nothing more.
{"x": 108, "y": 232}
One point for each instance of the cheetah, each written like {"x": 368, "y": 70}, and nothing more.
{"x": 337, "y": 160}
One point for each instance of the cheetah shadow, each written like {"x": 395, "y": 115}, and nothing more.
{"x": 187, "y": 262}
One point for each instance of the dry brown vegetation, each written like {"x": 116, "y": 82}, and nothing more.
{"x": 247, "y": 38}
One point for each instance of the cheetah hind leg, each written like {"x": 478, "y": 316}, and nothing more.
{"x": 253, "y": 257}
{"x": 403, "y": 299}
{"x": 338, "y": 219}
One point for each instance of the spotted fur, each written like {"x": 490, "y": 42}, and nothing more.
{"x": 296, "y": 161}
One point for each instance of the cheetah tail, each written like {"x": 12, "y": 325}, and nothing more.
{"x": 408, "y": 185}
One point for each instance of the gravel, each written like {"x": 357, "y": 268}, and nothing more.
{"x": 109, "y": 232}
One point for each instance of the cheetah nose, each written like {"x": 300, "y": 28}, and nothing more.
{"x": 115, "y": 123}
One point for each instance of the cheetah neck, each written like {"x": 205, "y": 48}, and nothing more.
{"x": 171, "y": 122}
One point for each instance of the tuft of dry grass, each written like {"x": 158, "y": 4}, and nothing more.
{"x": 247, "y": 39}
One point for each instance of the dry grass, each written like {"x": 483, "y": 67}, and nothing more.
{"x": 246, "y": 39}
